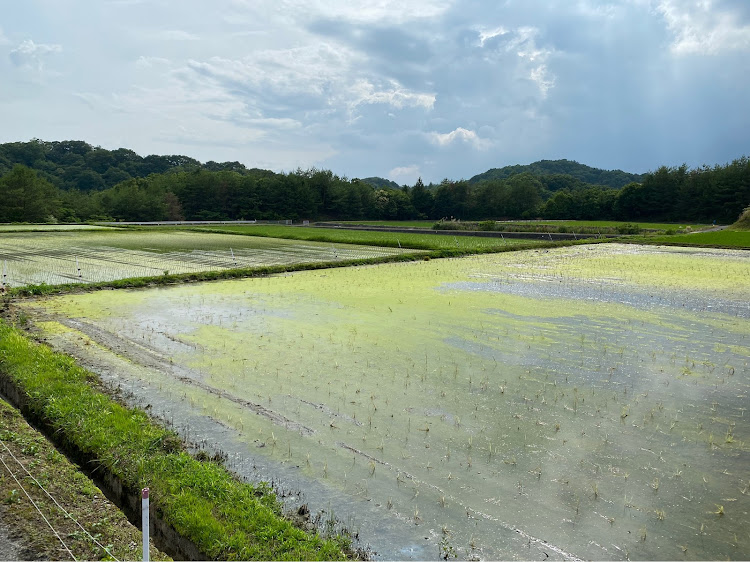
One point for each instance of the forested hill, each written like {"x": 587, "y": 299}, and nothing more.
{"x": 78, "y": 165}
{"x": 586, "y": 174}
{"x": 381, "y": 183}
{"x": 72, "y": 181}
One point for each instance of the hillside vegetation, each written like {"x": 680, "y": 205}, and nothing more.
{"x": 581, "y": 172}
{"x": 743, "y": 223}
{"x": 71, "y": 181}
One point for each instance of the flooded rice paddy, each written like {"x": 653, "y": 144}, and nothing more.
{"x": 79, "y": 256}
{"x": 585, "y": 402}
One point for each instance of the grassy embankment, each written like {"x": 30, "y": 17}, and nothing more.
{"x": 202, "y": 501}
{"x": 547, "y": 225}
{"x": 443, "y": 246}
{"x": 716, "y": 239}
{"x": 735, "y": 236}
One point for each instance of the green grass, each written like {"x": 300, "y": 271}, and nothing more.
{"x": 719, "y": 238}
{"x": 571, "y": 224}
{"x": 613, "y": 224}
{"x": 226, "y": 519}
{"x": 401, "y": 224}
{"x": 467, "y": 244}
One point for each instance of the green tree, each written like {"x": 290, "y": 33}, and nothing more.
{"x": 25, "y": 197}
{"x": 422, "y": 200}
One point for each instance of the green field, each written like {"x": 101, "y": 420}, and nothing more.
{"x": 571, "y": 224}
{"x": 400, "y": 224}
{"x": 719, "y": 238}
{"x": 613, "y": 224}
{"x": 579, "y": 402}
{"x": 469, "y": 244}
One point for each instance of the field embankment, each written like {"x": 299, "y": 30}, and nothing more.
{"x": 454, "y": 244}
{"x": 743, "y": 223}
{"x": 579, "y": 227}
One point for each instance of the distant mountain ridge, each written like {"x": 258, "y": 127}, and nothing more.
{"x": 77, "y": 164}
{"x": 586, "y": 174}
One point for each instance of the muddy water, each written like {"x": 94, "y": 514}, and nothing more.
{"x": 578, "y": 403}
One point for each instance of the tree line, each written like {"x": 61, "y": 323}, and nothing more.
{"x": 179, "y": 188}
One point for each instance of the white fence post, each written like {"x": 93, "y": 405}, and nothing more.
{"x": 144, "y": 522}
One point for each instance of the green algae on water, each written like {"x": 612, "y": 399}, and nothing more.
{"x": 580, "y": 402}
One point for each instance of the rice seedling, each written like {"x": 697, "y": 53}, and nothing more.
{"x": 336, "y": 360}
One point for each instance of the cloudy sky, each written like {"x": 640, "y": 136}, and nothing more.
{"x": 394, "y": 88}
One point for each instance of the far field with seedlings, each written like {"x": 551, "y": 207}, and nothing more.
{"x": 77, "y": 256}
{"x": 585, "y": 401}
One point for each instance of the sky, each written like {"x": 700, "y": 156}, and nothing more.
{"x": 393, "y": 88}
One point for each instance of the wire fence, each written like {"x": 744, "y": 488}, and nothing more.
{"x": 17, "y": 475}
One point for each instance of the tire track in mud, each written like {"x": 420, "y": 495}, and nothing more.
{"x": 145, "y": 356}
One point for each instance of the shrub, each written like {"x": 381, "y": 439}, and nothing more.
{"x": 628, "y": 228}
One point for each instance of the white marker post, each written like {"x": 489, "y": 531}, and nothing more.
{"x": 233, "y": 258}
{"x": 144, "y": 522}
{"x": 78, "y": 268}
{"x": 5, "y": 268}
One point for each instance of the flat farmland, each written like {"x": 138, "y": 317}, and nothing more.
{"x": 417, "y": 240}
{"x": 81, "y": 256}
{"x": 586, "y": 402}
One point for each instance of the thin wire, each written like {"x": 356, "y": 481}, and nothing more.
{"x": 36, "y": 506}
{"x": 58, "y": 505}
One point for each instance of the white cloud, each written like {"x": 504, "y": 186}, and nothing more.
{"x": 31, "y": 55}
{"x": 486, "y": 35}
{"x": 368, "y": 11}
{"x": 175, "y": 35}
{"x": 149, "y": 62}
{"x": 701, "y": 27}
{"x": 363, "y": 92}
{"x": 523, "y": 43}
{"x": 310, "y": 70}
{"x": 316, "y": 80}
{"x": 531, "y": 59}
{"x": 404, "y": 173}
{"x": 543, "y": 79}
{"x": 459, "y": 135}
